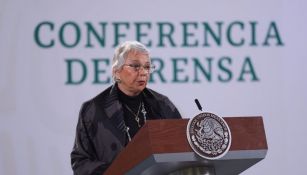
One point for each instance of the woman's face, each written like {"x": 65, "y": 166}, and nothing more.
{"x": 133, "y": 81}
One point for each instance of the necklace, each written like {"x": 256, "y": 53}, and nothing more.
{"x": 144, "y": 112}
{"x": 136, "y": 116}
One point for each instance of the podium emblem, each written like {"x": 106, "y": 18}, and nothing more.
{"x": 209, "y": 135}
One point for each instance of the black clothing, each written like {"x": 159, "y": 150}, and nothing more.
{"x": 132, "y": 107}
{"x": 100, "y": 133}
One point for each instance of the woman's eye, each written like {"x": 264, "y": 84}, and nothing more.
{"x": 135, "y": 65}
{"x": 147, "y": 67}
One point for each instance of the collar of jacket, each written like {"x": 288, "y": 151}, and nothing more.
{"x": 113, "y": 107}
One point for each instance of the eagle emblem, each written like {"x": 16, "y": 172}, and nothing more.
{"x": 209, "y": 135}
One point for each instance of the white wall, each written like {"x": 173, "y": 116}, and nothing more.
{"x": 39, "y": 111}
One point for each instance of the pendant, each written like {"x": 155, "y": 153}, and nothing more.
{"x": 137, "y": 119}
{"x": 144, "y": 112}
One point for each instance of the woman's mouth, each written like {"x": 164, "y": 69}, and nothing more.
{"x": 141, "y": 82}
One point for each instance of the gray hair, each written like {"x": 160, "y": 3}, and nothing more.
{"x": 122, "y": 51}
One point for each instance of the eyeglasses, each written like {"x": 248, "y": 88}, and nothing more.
{"x": 147, "y": 67}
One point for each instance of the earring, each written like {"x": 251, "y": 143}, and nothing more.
{"x": 117, "y": 80}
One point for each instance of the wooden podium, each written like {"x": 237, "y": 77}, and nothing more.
{"x": 161, "y": 147}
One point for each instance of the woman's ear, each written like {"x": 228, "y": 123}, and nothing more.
{"x": 117, "y": 76}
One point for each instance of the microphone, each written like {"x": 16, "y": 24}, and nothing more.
{"x": 198, "y": 104}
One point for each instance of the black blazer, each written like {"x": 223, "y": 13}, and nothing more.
{"x": 100, "y": 133}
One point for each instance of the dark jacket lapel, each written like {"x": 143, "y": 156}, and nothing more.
{"x": 113, "y": 110}
{"x": 153, "y": 103}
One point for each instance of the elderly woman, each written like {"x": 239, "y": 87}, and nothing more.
{"x": 111, "y": 119}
